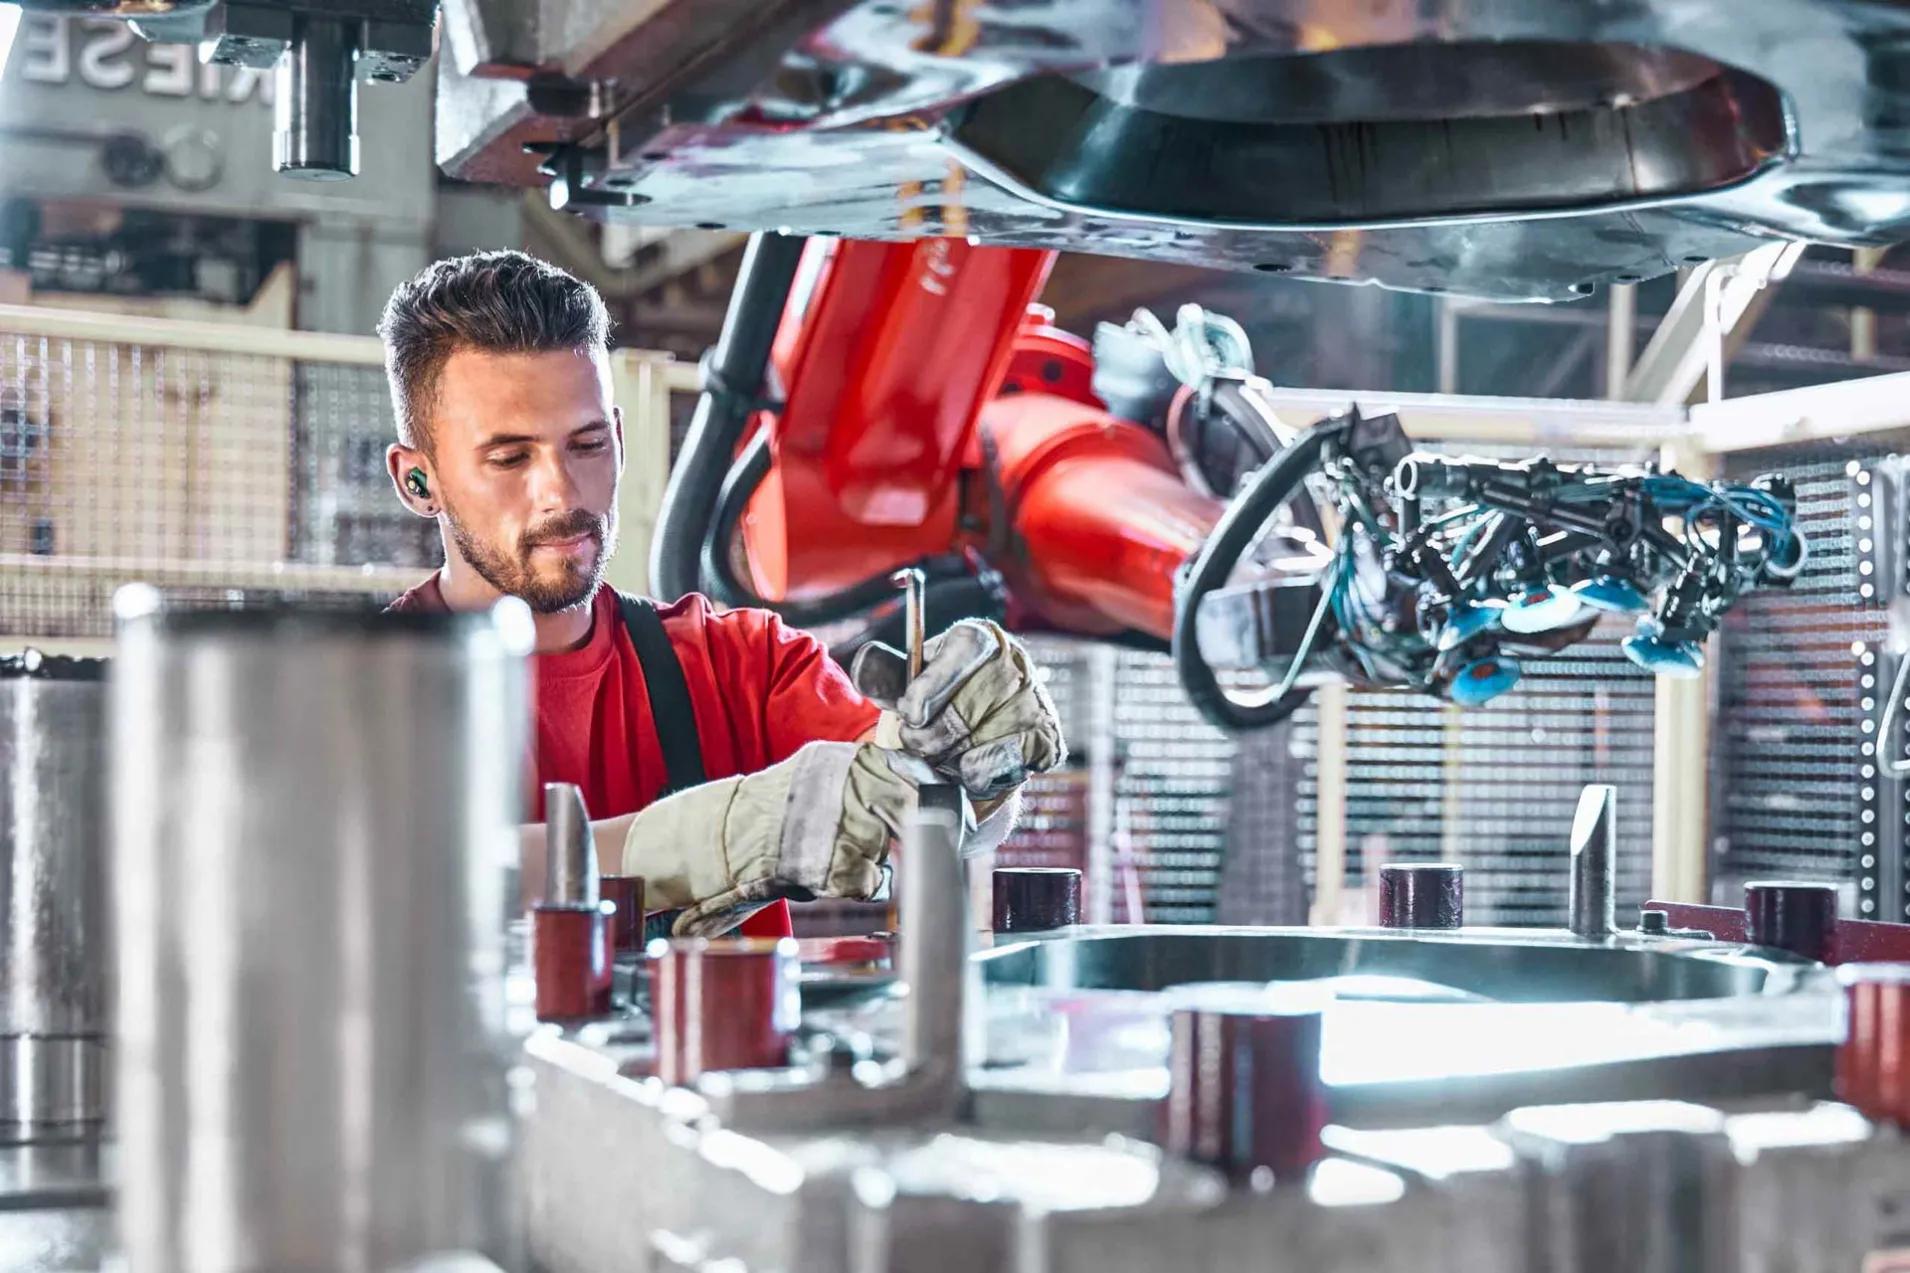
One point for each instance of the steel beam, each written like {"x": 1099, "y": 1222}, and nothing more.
{"x": 1874, "y": 404}
{"x": 1717, "y": 299}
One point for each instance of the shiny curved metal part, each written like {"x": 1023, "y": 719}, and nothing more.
{"x": 1519, "y": 151}
{"x": 1367, "y": 138}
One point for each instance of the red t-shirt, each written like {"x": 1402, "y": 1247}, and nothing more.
{"x": 759, "y": 691}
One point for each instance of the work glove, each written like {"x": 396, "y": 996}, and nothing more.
{"x": 977, "y": 713}
{"x": 819, "y": 824}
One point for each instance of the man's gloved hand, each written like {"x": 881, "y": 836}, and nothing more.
{"x": 977, "y": 712}
{"x": 817, "y": 825}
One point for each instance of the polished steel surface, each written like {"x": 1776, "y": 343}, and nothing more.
{"x": 313, "y": 814}
{"x": 1525, "y": 151}
{"x": 1505, "y": 965}
{"x": 54, "y": 952}
{"x": 1422, "y": 1026}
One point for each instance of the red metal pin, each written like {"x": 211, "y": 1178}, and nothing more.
{"x": 723, "y": 1004}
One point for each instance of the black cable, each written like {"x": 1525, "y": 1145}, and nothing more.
{"x": 736, "y": 367}
{"x": 1236, "y": 531}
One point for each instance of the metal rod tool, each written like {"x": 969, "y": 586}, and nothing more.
{"x": 1592, "y": 898}
{"x": 914, "y": 585}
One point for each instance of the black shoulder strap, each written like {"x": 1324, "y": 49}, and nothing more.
{"x": 670, "y": 710}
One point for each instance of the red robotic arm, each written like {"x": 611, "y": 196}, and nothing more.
{"x": 873, "y": 405}
{"x": 930, "y": 409}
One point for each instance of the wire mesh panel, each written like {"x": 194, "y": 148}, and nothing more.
{"x": 343, "y": 510}
{"x": 1266, "y": 867}
{"x": 234, "y": 474}
{"x": 1796, "y": 794}
{"x": 1172, "y": 772}
{"x": 1494, "y": 788}
{"x": 1054, "y": 828}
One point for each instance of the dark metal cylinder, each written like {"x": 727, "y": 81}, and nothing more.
{"x": 1422, "y": 895}
{"x": 1032, "y": 899}
{"x": 55, "y": 956}
{"x": 625, "y": 892}
{"x": 315, "y": 103}
{"x": 570, "y": 960}
{"x": 1244, "y": 1091}
{"x": 1873, "y": 1065}
{"x": 312, "y": 1054}
{"x": 1792, "y": 915}
{"x": 723, "y": 1004}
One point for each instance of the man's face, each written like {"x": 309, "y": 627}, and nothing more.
{"x": 527, "y": 451}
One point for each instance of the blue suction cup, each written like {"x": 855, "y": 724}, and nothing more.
{"x": 1483, "y": 680}
{"x": 1611, "y": 594}
{"x": 1467, "y": 620}
{"x": 1541, "y": 609}
{"x": 1681, "y": 660}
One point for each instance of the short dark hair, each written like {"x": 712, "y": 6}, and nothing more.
{"x": 498, "y": 302}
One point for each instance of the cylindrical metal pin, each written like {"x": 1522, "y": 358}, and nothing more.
{"x": 1791, "y": 915}
{"x": 53, "y": 961}
{"x": 571, "y": 875}
{"x": 315, "y": 106}
{"x": 914, "y": 585}
{"x": 1422, "y": 895}
{"x": 1032, "y": 899}
{"x": 570, "y": 960}
{"x": 1245, "y": 1093}
{"x": 625, "y": 892}
{"x": 723, "y": 1004}
{"x": 1873, "y": 1064}
{"x": 1591, "y": 895}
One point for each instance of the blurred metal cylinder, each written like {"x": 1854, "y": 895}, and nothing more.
{"x": 54, "y": 952}
{"x": 314, "y": 825}
{"x": 729, "y": 1003}
{"x": 1422, "y": 895}
{"x": 1036, "y": 898}
{"x": 572, "y": 949}
{"x": 1244, "y": 1087}
{"x": 625, "y": 892}
{"x": 1799, "y": 916}
{"x": 1873, "y": 1065}
{"x": 315, "y": 101}
{"x": 933, "y": 954}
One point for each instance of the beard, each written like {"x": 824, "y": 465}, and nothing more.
{"x": 551, "y": 587}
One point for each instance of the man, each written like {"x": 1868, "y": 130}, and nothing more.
{"x": 730, "y": 762}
